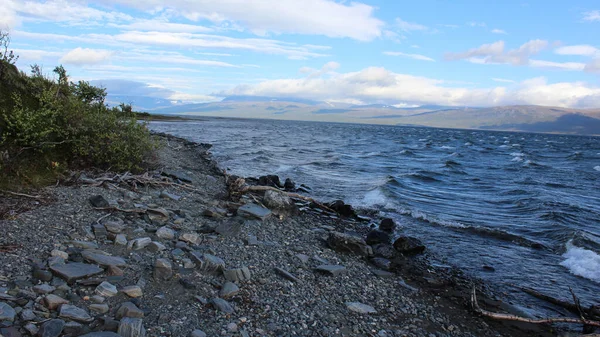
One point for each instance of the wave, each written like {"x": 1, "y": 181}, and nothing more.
{"x": 597, "y": 168}
{"x": 407, "y": 153}
{"x": 422, "y": 176}
{"x": 375, "y": 199}
{"x": 582, "y": 262}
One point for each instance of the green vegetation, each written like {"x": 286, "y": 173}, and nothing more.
{"x": 50, "y": 125}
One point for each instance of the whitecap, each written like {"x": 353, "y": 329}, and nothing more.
{"x": 517, "y": 154}
{"x": 374, "y": 198}
{"x": 582, "y": 262}
{"x": 517, "y": 159}
{"x": 283, "y": 168}
{"x": 597, "y": 168}
{"x": 503, "y": 146}
{"x": 446, "y": 147}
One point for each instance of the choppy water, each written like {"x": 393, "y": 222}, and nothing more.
{"x": 526, "y": 204}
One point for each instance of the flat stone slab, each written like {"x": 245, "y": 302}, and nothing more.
{"x": 7, "y": 313}
{"x": 331, "y": 269}
{"x": 102, "y": 259}
{"x": 254, "y": 211}
{"x": 177, "y": 175}
{"x": 222, "y": 305}
{"x": 74, "y": 313}
{"x": 74, "y": 271}
{"x": 360, "y": 308}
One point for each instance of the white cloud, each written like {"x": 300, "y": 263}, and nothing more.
{"x": 378, "y": 84}
{"x": 163, "y": 26}
{"x": 593, "y": 66}
{"x": 81, "y": 56}
{"x": 412, "y": 56}
{"x": 63, "y": 11}
{"x": 503, "y": 80}
{"x": 315, "y": 17}
{"x": 498, "y": 31}
{"x": 557, "y": 65}
{"x": 171, "y": 58}
{"x": 8, "y": 15}
{"x": 591, "y": 16}
{"x": 476, "y": 24}
{"x": 579, "y": 50}
{"x": 494, "y": 53}
{"x": 36, "y": 55}
{"x": 410, "y": 26}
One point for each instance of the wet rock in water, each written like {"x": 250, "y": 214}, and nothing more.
{"x": 254, "y": 211}
{"x": 132, "y": 291}
{"x": 222, "y": 305}
{"x": 270, "y": 180}
{"x": 360, "y": 308}
{"x": 376, "y": 236}
{"x": 163, "y": 270}
{"x": 331, "y": 269}
{"x": 167, "y": 195}
{"x": 279, "y": 201}
{"x": 237, "y": 274}
{"x": 102, "y": 258}
{"x": 342, "y": 208}
{"x": 381, "y": 263}
{"x": 53, "y": 301}
{"x": 129, "y": 309}
{"x": 74, "y": 313}
{"x": 139, "y": 244}
{"x": 387, "y": 225}
{"x": 74, "y": 271}
{"x": 131, "y": 327}
{"x": 175, "y": 174}
{"x": 488, "y": 268}
{"x": 106, "y": 289}
{"x": 286, "y": 274}
{"x": 348, "y": 243}
{"x": 7, "y": 313}
{"x": 409, "y": 245}
{"x": 207, "y": 262}
{"x": 98, "y": 201}
{"x": 198, "y": 333}
{"x": 228, "y": 290}
{"x": 52, "y": 328}
{"x": 165, "y": 233}
{"x": 384, "y": 250}
{"x": 289, "y": 185}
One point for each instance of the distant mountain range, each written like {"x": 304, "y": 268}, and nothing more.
{"x": 528, "y": 118}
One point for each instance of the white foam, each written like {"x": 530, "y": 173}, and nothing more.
{"x": 517, "y": 159}
{"x": 283, "y": 168}
{"x": 582, "y": 262}
{"x": 597, "y": 168}
{"x": 374, "y": 198}
{"x": 517, "y": 154}
{"x": 446, "y": 147}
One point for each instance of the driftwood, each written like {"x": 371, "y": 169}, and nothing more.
{"x": 507, "y": 317}
{"x": 133, "y": 181}
{"x": 22, "y": 194}
{"x": 8, "y": 248}
{"x": 572, "y": 307}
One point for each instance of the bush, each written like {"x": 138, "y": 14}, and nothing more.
{"x": 58, "y": 124}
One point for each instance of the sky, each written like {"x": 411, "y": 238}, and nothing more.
{"x": 405, "y": 53}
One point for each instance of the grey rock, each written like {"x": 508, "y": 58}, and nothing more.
{"x": 158, "y": 215}
{"x": 286, "y": 274}
{"x": 27, "y": 315}
{"x": 121, "y": 240}
{"x": 103, "y": 259}
{"x": 156, "y": 247}
{"x": 53, "y": 301}
{"x": 228, "y": 290}
{"x": 139, "y": 244}
{"x": 207, "y": 262}
{"x": 115, "y": 226}
{"x": 254, "y": 211}
{"x": 42, "y": 275}
{"x": 52, "y": 328}
{"x": 106, "y": 289}
{"x": 302, "y": 258}
{"x": 43, "y": 289}
{"x": 167, "y": 195}
{"x": 131, "y": 327}
{"x": 99, "y": 308}
{"x": 132, "y": 291}
{"x": 97, "y": 299}
{"x": 176, "y": 174}
{"x": 71, "y": 272}
{"x": 251, "y": 240}
{"x": 7, "y": 313}
{"x": 165, "y": 233}
{"x": 100, "y": 232}
{"x": 198, "y": 333}
{"x": 73, "y": 329}
{"x": 331, "y": 269}
{"x": 59, "y": 253}
{"x": 84, "y": 244}
{"x": 188, "y": 264}
{"x": 230, "y": 227}
{"x": 32, "y": 329}
{"x": 129, "y": 309}
{"x": 381, "y": 263}
{"x": 98, "y": 201}
{"x": 348, "y": 243}
{"x": 360, "y": 308}
{"x": 74, "y": 313}
{"x": 193, "y": 238}
{"x": 237, "y": 274}
{"x": 279, "y": 201}
{"x": 163, "y": 270}
{"x": 222, "y": 305}
{"x": 382, "y": 273}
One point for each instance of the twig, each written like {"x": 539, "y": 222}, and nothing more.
{"x": 135, "y": 210}
{"x": 102, "y": 217}
{"x": 528, "y": 320}
{"x": 22, "y": 194}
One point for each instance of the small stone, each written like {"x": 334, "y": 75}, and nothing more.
{"x": 7, "y": 313}
{"x": 42, "y": 275}
{"x": 121, "y": 240}
{"x": 222, "y": 305}
{"x": 102, "y": 258}
{"x": 232, "y": 327}
{"x": 188, "y": 264}
{"x": 115, "y": 226}
{"x": 75, "y": 271}
{"x": 139, "y": 244}
{"x": 330, "y": 269}
{"x": 254, "y": 211}
{"x": 132, "y": 291}
{"x": 163, "y": 270}
{"x": 237, "y": 275}
{"x": 131, "y": 327}
{"x": 27, "y": 315}
{"x": 52, "y": 301}
{"x": 252, "y": 240}
{"x": 99, "y": 232}
{"x": 99, "y": 308}
{"x": 198, "y": 333}
{"x": 129, "y": 309}
{"x": 33, "y": 329}
{"x": 74, "y": 313}
{"x": 106, "y": 289}
{"x": 52, "y": 328}
{"x": 167, "y": 195}
{"x": 360, "y": 308}
{"x": 286, "y": 274}
{"x": 230, "y": 227}
{"x": 97, "y": 299}
{"x": 114, "y": 271}
{"x": 98, "y": 201}
{"x": 43, "y": 289}
{"x": 156, "y": 247}
{"x": 302, "y": 258}
{"x": 165, "y": 233}
{"x": 60, "y": 253}
{"x": 228, "y": 290}
{"x": 192, "y": 238}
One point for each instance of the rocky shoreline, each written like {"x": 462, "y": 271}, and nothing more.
{"x": 181, "y": 257}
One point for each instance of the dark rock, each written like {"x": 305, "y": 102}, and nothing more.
{"x": 384, "y": 250}
{"x": 254, "y": 211}
{"x": 409, "y": 245}
{"x": 129, "y": 309}
{"x": 186, "y": 283}
{"x": 222, "y": 305}
{"x": 387, "y": 225}
{"x": 74, "y": 313}
{"x": 10, "y": 332}
{"x": 237, "y": 275}
{"x": 99, "y": 232}
{"x": 7, "y": 313}
{"x": 98, "y": 201}
{"x": 330, "y": 269}
{"x": 41, "y": 274}
{"x": 286, "y": 274}
{"x": 382, "y": 273}
{"x": 207, "y": 262}
{"x": 163, "y": 270}
{"x": 342, "y": 208}
{"x": 349, "y": 244}
{"x": 376, "y": 236}
{"x": 73, "y": 329}
{"x": 110, "y": 324}
{"x": 103, "y": 259}
{"x": 131, "y": 327}
{"x": 489, "y": 268}
{"x": 43, "y": 289}
{"x": 228, "y": 290}
{"x": 381, "y": 263}
{"x": 251, "y": 240}
{"x": 71, "y": 272}
{"x": 52, "y": 328}
{"x": 289, "y": 185}
{"x": 270, "y": 180}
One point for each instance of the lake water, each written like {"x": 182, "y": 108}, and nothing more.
{"x": 526, "y": 204}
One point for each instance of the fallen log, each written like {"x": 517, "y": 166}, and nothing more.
{"x": 574, "y": 308}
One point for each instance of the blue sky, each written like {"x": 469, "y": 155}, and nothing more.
{"x": 476, "y": 53}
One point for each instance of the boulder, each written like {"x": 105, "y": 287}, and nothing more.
{"x": 341, "y": 208}
{"x": 387, "y": 225}
{"x": 376, "y": 236}
{"x": 289, "y": 185}
{"x": 409, "y": 245}
{"x": 278, "y": 201}
{"x": 348, "y": 243}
